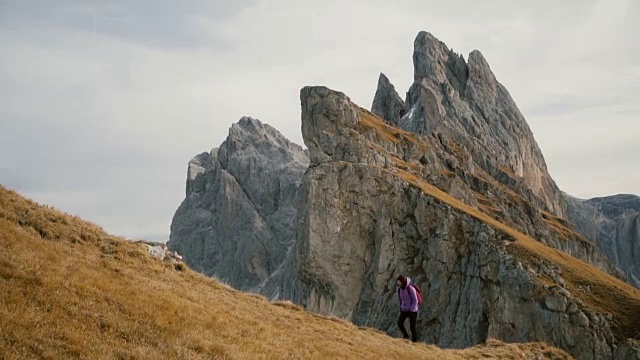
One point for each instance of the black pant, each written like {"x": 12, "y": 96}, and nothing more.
{"x": 412, "y": 322}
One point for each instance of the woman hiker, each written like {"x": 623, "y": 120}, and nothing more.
{"x": 408, "y": 306}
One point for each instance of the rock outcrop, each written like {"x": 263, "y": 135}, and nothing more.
{"x": 235, "y": 222}
{"x": 387, "y": 104}
{"x": 613, "y": 222}
{"x": 368, "y": 214}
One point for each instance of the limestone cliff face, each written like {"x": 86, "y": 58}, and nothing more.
{"x": 463, "y": 100}
{"x": 235, "y": 220}
{"x": 369, "y": 213}
{"x": 614, "y": 223}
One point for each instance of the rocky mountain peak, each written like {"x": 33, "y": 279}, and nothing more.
{"x": 235, "y": 221}
{"x": 387, "y": 104}
{"x": 432, "y": 59}
{"x": 250, "y": 129}
{"x": 464, "y": 101}
{"x": 249, "y": 134}
{"x": 479, "y": 70}
{"x": 383, "y": 80}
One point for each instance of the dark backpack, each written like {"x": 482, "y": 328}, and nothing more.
{"x": 418, "y": 294}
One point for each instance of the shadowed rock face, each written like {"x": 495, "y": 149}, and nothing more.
{"x": 454, "y": 197}
{"x": 614, "y": 224}
{"x": 235, "y": 222}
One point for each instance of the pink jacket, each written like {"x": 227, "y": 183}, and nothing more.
{"x": 408, "y": 298}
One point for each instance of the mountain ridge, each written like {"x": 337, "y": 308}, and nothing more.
{"x": 435, "y": 197}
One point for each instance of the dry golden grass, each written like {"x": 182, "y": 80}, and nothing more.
{"x": 486, "y": 205}
{"x": 556, "y": 224}
{"x": 457, "y": 150}
{"x": 514, "y": 197}
{"x": 384, "y": 130}
{"x": 562, "y": 228}
{"x": 447, "y": 173}
{"x": 507, "y": 170}
{"x": 68, "y": 290}
{"x": 493, "y": 349}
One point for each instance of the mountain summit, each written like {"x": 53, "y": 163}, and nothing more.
{"x": 464, "y": 101}
{"x": 235, "y": 220}
{"x": 387, "y": 104}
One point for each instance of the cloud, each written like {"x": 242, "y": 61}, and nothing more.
{"x": 152, "y": 23}
{"x": 102, "y": 104}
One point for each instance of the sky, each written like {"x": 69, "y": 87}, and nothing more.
{"x": 103, "y": 103}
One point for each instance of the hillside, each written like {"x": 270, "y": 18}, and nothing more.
{"x": 69, "y": 290}
{"x": 606, "y": 294}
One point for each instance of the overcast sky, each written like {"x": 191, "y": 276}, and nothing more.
{"x": 103, "y": 103}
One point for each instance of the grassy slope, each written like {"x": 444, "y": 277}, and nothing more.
{"x": 608, "y": 294}
{"x": 68, "y": 290}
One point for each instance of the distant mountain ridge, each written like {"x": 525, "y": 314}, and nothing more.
{"x": 614, "y": 223}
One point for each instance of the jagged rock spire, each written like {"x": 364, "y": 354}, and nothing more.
{"x": 433, "y": 59}
{"x": 465, "y": 101}
{"x": 387, "y": 104}
{"x": 235, "y": 222}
